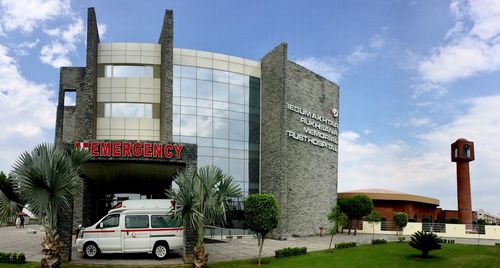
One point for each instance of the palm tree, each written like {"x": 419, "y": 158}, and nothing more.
{"x": 9, "y": 201}
{"x": 202, "y": 199}
{"x": 48, "y": 179}
{"x": 425, "y": 242}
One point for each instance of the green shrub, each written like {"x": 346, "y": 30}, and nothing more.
{"x": 425, "y": 242}
{"x": 345, "y": 245}
{"x": 452, "y": 220}
{"x": 6, "y": 257}
{"x": 426, "y": 219}
{"x": 21, "y": 258}
{"x": 378, "y": 241}
{"x": 13, "y": 258}
{"x": 287, "y": 252}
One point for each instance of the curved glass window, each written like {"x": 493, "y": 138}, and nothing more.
{"x": 129, "y": 110}
{"x": 128, "y": 71}
{"x": 220, "y": 111}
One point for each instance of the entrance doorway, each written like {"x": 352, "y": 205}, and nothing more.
{"x": 107, "y": 182}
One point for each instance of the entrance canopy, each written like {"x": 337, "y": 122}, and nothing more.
{"x": 125, "y": 176}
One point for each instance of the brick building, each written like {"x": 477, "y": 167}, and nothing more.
{"x": 387, "y": 202}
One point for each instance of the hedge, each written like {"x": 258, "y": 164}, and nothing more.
{"x": 6, "y": 257}
{"x": 378, "y": 241}
{"x": 345, "y": 245}
{"x": 287, "y": 252}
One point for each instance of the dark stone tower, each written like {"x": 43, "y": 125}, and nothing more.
{"x": 462, "y": 152}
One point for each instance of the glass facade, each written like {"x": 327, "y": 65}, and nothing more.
{"x": 220, "y": 112}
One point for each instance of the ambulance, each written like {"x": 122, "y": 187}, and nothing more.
{"x": 134, "y": 226}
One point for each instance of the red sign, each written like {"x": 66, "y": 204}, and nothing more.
{"x": 131, "y": 149}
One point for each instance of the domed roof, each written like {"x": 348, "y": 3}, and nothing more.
{"x": 384, "y": 194}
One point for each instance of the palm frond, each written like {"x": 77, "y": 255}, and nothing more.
{"x": 185, "y": 198}
{"x": 8, "y": 209}
{"x": 203, "y": 197}
{"x": 48, "y": 179}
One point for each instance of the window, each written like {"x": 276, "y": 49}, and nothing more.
{"x": 129, "y": 110}
{"x": 455, "y": 152}
{"x": 136, "y": 221}
{"x": 466, "y": 150}
{"x": 163, "y": 221}
{"x": 128, "y": 71}
{"x": 111, "y": 221}
{"x": 69, "y": 98}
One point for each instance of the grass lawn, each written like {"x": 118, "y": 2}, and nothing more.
{"x": 385, "y": 255}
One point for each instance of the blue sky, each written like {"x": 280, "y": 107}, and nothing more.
{"x": 414, "y": 75}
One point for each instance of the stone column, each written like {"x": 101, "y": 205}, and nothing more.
{"x": 166, "y": 76}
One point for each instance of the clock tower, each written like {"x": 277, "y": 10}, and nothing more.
{"x": 462, "y": 152}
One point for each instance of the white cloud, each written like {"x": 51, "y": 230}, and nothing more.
{"x": 379, "y": 40}
{"x": 426, "y": 168}
{"x": 334, "y": 68}
{"x": 358, "y": 55}
{"x": 420, "y": 122}
{"x": 472, "y": 46}
{"x": 22, "y": 49}
{"x": 27, "y": 14}
{"x": 26, "y": 112}
{"x": 102, "y": 29}
{"x": 328, "y": 67}
{"x": 57, "y": 52}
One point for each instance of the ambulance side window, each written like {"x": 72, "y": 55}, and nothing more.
{"x": 111, "y": 221}
{"x": 137, "y": 221}
{"x": 163, "y": 221}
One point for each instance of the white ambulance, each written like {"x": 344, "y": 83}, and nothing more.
{"x": 134, "y": 226}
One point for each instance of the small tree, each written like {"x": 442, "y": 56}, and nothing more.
{"x": 343, "y": 206}
{"x": 261, "y": 216}
{"x": 401, "y": 220}
{"x": 372, "y": 218}
{"x": 339, "y": 219}
{"x": 358, "y": 207}
{"x": 425, "y": 242}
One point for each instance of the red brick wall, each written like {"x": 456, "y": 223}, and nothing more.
{"x": 387, "y": 208}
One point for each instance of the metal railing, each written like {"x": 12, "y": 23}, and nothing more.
{"x": 434, "y": 227}
{"x": 475, "y": 229}
{"x": 216, "y": 232}
{"x": 388, "y": 226}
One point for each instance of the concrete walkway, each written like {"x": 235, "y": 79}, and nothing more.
{"x": 19, "y": 240}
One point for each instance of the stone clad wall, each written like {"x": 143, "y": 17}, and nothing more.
{"x": 303, "y": 176}
{"x": 70, "y": 79}
{"x": 272, "y": 113}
